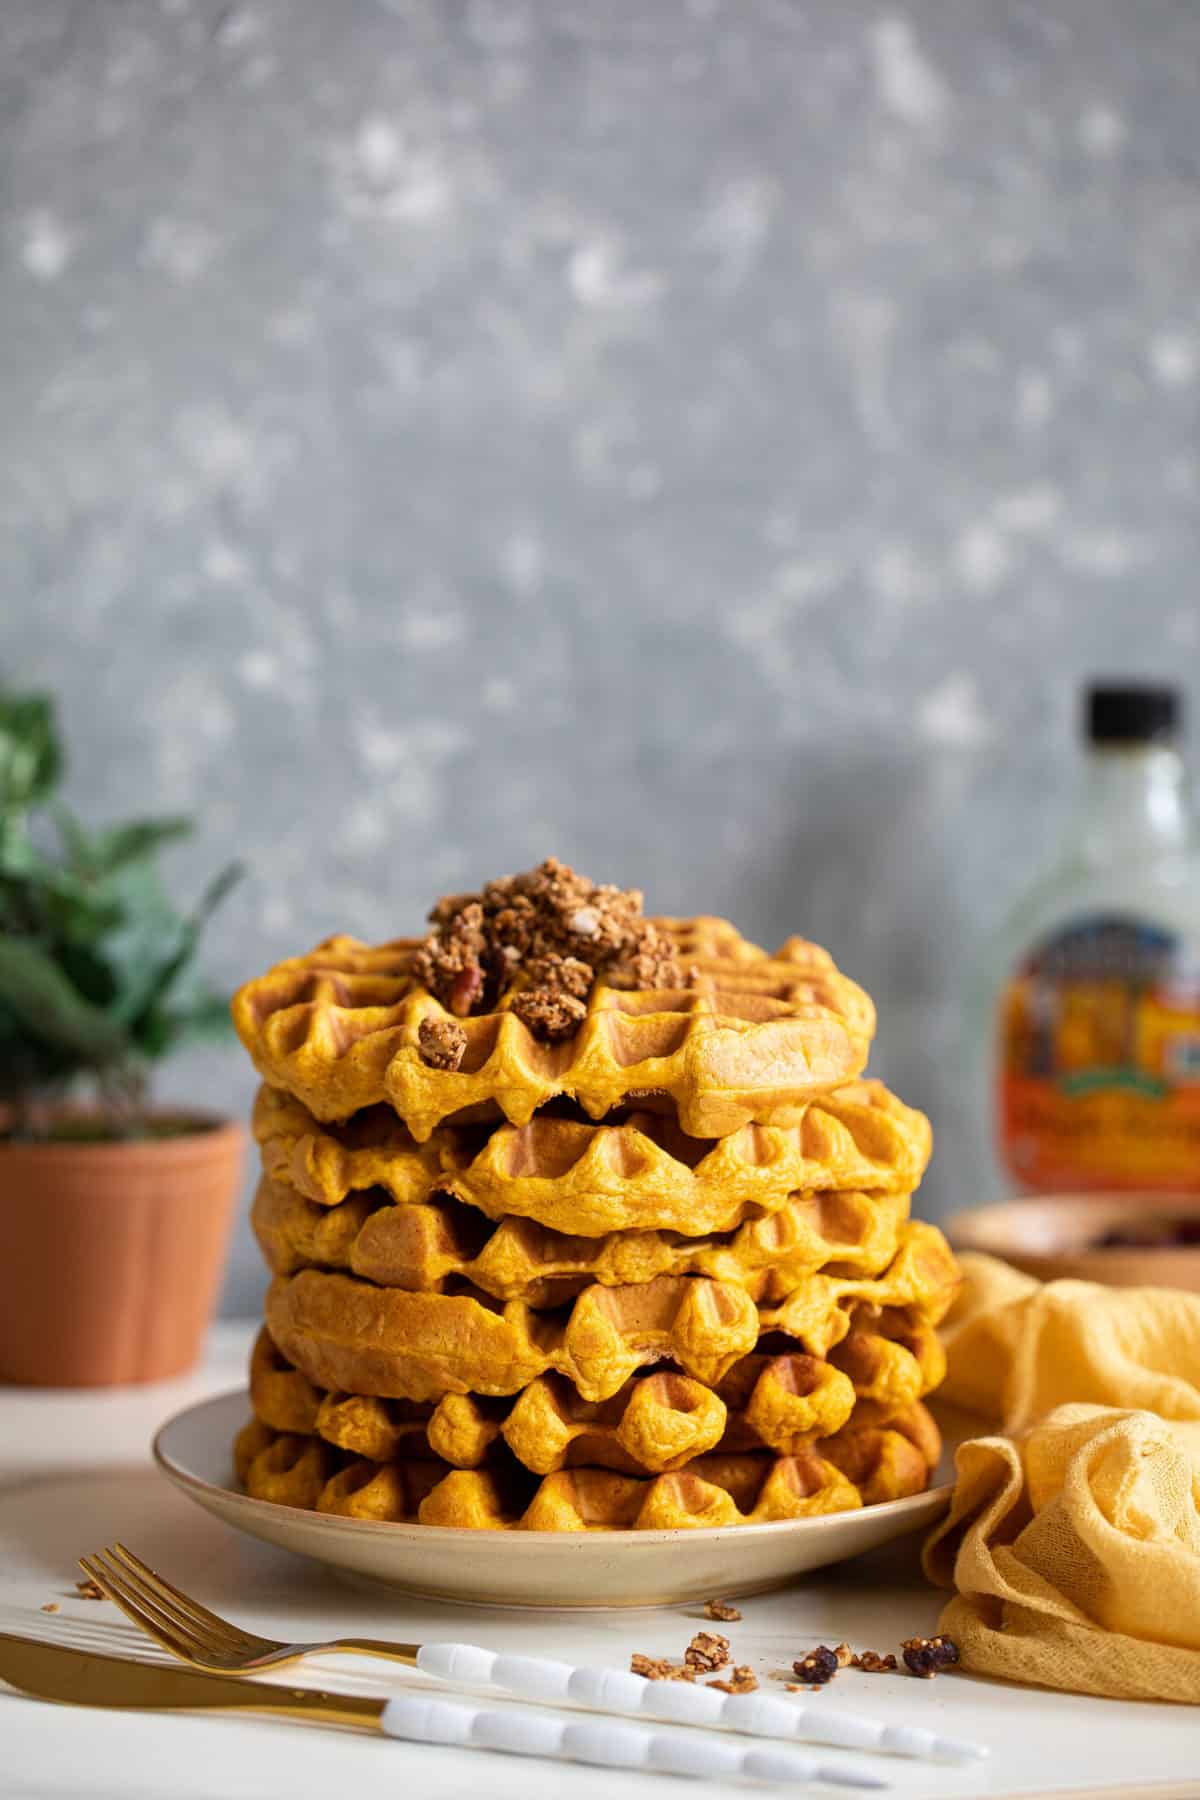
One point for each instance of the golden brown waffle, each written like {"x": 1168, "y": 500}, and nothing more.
{"x": 655, "y": 1422}
{"x": 885, "y": 1462}
{"x": 783, "y": 1401}
{"x": 290, "y": 1470}
{"x": 287, "y": 1401}
{"x": 426, "y": 1246}
{"x": 711, "y": 1491}
{"x": 889, "y": 1373}
{"x": 752, "y": 1038}
{"x": 587, "y": 1179}
{"x": 373, "y": 1148}
{"x": 347, "y": 1334}
{"x": 914, "y": 1292}
{"x": 350, "y": 1335}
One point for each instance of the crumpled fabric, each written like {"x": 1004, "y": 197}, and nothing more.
{"x": 1073, "y": 1537}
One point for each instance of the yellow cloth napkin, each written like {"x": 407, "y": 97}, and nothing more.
{"x": 1073, "y": 1539}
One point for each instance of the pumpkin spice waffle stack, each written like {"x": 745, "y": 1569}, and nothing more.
{"x": 582, "y": 1220}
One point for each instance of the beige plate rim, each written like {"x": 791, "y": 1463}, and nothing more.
{"x": 907, "y": 1514}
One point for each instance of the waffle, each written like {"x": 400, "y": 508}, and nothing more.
{"x": 350, "y": 1335}
{"x": 914, "y": 1292}
{"x": 716, "y": 1490}
{"x": 655, "y": 1422}
{"x": 887, "y": 1462}
{"x": 752, "y": 1038}
{"x": 428, "y": 1245}
{"x": 290, "y": 1470}
{"x": 587, "y": 1179}
{"x": 784, "y": 1400}
{"x": 889, "y": 1373}
{"x": 287, "y": 1401}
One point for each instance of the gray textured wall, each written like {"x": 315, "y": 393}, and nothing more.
{"x": 706, "y": 440}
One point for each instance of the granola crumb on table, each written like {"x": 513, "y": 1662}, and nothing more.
{"x": 871, "y": 1662}
{"x": 708, "y": 1650}
{"x": 922, "y": 1657}
{"x": 542, "y": 939}
{"x": 925, "y": 1656}
{"x": 659, "y": 1668}
{"x": 818, "y": 1667}
{"x": 740, "y": 1680}
{"x": 89, "y": 1590}
{"x": 722, "y": 1610}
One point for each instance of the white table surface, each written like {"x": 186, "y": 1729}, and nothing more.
{"x": 75, "y": 1473}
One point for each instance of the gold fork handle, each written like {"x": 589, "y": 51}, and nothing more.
{"x": 390, "y": 1652}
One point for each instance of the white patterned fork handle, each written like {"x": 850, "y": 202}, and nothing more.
{"x": 609, "y": 1744}
{"x": 615, "y": 1691}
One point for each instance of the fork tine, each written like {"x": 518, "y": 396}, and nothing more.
{"x": 160, "y": 1633}
{"x": 169, "y": 1596}
{"x": 121, "y": 1581}
{"x": 182, "y": 1603}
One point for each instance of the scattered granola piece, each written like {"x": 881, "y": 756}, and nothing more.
{"x": 707, "y": 1650}
{"x": 925, "y": 1656}
{"x": 550, "y": 1016}
{"x": 547, "y": 935}
{"x": 465, "y": 990}
{"x": 51, "y": 1606}
{"x": 871, "y": 1662}
{"x": 442, "y": 1043}
{"x": 818, "y": 1667}
{"x": 740, "y": 1680}
{"x": 844, "y": 1655}
{"x": 89, "y": 1590}
{"x": 723, "y": 1610}
{"x": 659, "y": 1668}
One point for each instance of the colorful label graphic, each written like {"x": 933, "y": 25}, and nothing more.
{"x": 1099, "y": 1061}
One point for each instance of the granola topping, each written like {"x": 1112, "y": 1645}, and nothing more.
{"x": 442, "y": 1043}
{"x": 723, "y": 1610}
{"x": 545, "y": 937}
{"x": 871, "y": 1662}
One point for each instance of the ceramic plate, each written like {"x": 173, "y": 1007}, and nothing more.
{"x": 528, "y": 1568}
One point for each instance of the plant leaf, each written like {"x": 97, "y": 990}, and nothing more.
{"x": 205, "y": 1019}
{"x": 138, "y": 1005}
{"x": 42, "y": 998}
{"x": 75, "y": 838}
{"x": 103, "y": 853}
{"x": 30, "y": 753}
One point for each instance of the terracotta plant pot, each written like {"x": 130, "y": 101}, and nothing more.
{"x": 111, "y": 1253}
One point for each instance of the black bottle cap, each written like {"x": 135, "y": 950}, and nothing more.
{"x": 1133, "y": 713}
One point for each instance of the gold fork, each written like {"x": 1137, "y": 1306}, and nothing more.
{"x": 207, "y": 1641}
{"x": 202, "y": 1638}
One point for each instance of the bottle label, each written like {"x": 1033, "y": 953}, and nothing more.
{"x": 1099, "y": 1061}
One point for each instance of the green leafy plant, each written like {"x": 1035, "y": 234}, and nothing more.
{"x": 97, "y": 980}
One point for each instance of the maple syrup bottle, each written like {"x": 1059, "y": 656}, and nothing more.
{"x": 1094, "y": 1021}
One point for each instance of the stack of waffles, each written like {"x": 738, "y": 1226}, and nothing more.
{"x": 654, "y": 1268}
